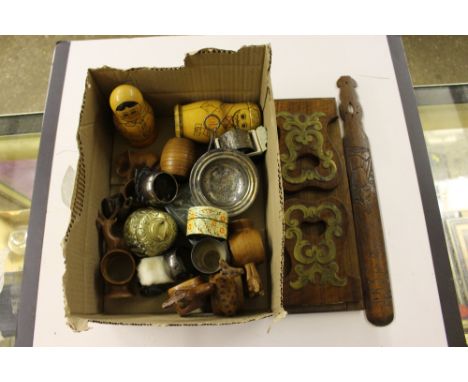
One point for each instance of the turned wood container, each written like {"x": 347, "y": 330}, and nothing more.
{"x": 245, "y": 243}
{"x": 178, "y": 156}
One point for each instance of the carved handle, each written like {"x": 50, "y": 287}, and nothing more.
{"x": 369, "y": 233}
{"x": 254, "y": 282}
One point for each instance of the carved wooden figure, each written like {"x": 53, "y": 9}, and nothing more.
{"x": 188, "y": 296}
{"x": 369, "y": 233}
{"x": 114, "y": 210}
{"x": 228, "y": 295}
{"x": 321, "y": 270}
{"x": 128, "y": 161}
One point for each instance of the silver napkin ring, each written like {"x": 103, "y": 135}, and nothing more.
{"x": 251, "y": 143}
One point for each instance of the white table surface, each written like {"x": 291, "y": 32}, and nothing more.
{"x": 302, "y": 67}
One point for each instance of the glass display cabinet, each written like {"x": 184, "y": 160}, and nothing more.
{"x": 19, "y": 143}
{"x": 443, "y": 111}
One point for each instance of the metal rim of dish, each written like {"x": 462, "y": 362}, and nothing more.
{"x": 245, "y": 165}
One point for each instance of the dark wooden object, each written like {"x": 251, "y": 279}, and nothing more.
{"x": 369, "y": 234}
{"x": 321, "y": 264}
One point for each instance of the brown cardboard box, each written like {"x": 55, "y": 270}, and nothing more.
{"x": 208, "y": 74}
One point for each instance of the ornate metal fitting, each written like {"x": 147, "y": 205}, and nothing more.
{"x": 316, "y": 258}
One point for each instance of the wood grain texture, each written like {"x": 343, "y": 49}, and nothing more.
{"x": 369, "y": 233}
{"x": 178, "y": 156}
{"x": 247, "y": 249}
{"x": 321, "y": 270}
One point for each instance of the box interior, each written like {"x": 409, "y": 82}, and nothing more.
{"x": 209, "y": 74}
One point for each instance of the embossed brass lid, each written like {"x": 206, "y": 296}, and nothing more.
{"x": 149, "y": 232}
{"x": 225, "y": 179}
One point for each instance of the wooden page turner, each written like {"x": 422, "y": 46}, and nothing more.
{"x": 368, "y": 225}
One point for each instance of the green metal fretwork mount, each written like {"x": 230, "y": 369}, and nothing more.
{"x": 305, "y": 130}
{"x": 315, "y": 258}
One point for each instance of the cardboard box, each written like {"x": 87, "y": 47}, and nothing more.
{"x": 208, "y": 74}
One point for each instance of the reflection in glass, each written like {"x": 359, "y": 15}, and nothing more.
{"x": 444, "y": 116}
{"x": 19, "y": 143}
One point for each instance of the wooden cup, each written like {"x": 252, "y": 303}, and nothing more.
{"x": 178, "y": 156}
{"x": 117, "y": 269}
{"x": 246, "y": 246}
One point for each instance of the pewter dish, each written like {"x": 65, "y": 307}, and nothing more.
{"x": 225, "y": 179}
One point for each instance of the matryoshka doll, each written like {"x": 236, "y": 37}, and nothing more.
{"x": 133, "y": 116}
{"x": 243, "y": 115}
{"x": 198, "y": 120}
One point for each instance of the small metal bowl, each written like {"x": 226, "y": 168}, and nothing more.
{"x": 225, "y": 179}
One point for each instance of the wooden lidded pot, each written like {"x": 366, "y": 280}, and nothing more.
{"x": 247, "y": 249}
{"x": 178, "y": 156}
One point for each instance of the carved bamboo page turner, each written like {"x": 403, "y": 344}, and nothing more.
{"x": 369, "y": 233}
